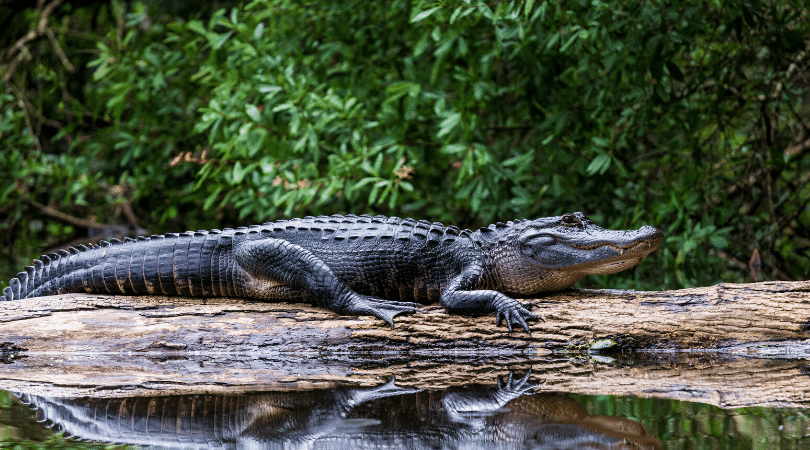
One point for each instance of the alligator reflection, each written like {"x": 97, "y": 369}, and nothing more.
{"x": 504, "y": 416}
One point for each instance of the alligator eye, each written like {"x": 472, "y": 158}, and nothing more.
{"x": 569, "y": 220}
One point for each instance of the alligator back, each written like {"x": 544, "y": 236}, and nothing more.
{"x": 389, "y": 257}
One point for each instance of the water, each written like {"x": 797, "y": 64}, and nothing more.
{"x": 509, "y": 411}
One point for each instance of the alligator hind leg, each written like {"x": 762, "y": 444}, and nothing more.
{"x": 279, "y": 270}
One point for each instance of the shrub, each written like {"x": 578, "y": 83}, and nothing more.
{"x": 690, "y": 116}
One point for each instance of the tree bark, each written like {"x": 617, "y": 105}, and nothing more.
{"x": 86, "y": 343}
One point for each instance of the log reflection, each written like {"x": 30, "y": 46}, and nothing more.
{"x": 506, "y": 415}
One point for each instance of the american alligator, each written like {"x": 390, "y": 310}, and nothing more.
{"x": 353, "y": 265}
{"x": 384, "y": 417}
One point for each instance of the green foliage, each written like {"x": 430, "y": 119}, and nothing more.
{"x": 689, "y": 116}
{"x": 681, "y": 424}
{"x": 20, "y": 430}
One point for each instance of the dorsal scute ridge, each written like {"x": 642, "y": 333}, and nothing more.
{"x": 14, "y": 284}
{"x": 32, "y": 277}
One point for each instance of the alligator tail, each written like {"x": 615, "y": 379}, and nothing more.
{"x": 191, "y": 264}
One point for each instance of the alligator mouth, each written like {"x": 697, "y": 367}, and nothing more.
{"x": 615, "y": 258}
{"x": 630, "y": 249}
{"x": 633, "y": 248}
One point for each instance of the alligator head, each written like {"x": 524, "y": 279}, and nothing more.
{"x": 559, "y": 251}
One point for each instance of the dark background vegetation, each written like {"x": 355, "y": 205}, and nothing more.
{"x": 136, "y": 117}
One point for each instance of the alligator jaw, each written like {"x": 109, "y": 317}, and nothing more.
{"x": 590, "y": 250}
{"x": 639, "y": 247}
{"x": 608, "y": 258}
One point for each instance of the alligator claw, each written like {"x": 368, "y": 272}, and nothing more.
{"x": 516, "y": 385}
{"x": 512, "y": 388}
{"x": 380, "y": 308}
{"x": 514, "y": 312}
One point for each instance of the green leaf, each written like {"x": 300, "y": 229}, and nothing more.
{"x": 449, "y": 123}
{"x": 254, "y": 113}
{"x": 404, "y": 87}
{"x": 217, "y": 40}
{"x": 258, "y": 32}
{"x": 453, "y": 149}
{"x": 424, "y": 14}
{"x": 600, "y": 164}
{"x": 601, "y": 142}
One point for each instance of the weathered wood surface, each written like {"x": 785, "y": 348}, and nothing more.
{"x": 98, "y": 345}
{"x": 721, "y": 317}
{"x": 725, "y": 382}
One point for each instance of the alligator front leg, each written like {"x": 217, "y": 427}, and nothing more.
{"x": 276, "y": 269}
{"x": 461, "y": 297}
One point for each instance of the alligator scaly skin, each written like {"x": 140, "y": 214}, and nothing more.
{"x": 354, "y": 265}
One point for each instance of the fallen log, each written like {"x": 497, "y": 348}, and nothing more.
{"x": 726, "y": 382}
{"x": 724, "y": 317}
{"x": 88, "y": 343}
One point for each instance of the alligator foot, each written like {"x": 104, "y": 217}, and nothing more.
{"x": 364, "y": 305}
{"x": 359, "y": 396}
{"x": 515, "y": 388}
{"x": 514, "y": 313}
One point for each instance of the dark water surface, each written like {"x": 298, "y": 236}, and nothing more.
{"x": 508, "y": 413}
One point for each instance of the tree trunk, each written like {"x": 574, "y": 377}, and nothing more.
{"x": 85, "y": 343}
